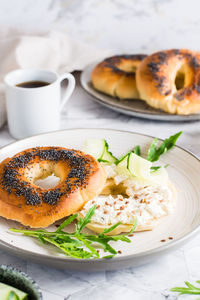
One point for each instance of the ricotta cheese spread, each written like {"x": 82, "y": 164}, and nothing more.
{"x": 144, "y": 202}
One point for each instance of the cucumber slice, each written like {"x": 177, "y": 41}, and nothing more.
{"x": 6, "y": 289}
{"x": 107, "y": 156}
{"x": 122, "y": 165}
{"x": 128, "y": 165}
{"x": 139, "y": 166}
{"x": 98, "y": 148}
{"x": 95, "y": 147}
{"x": 141, "y": 169}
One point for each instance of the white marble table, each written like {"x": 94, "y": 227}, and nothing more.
{"x": 151, "y": 281}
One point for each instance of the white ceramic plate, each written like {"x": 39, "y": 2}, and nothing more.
{"x": 181, "y": 225}
{"x": 135, "y": 108}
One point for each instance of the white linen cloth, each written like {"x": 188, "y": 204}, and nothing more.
{"x": 56, "y": 51}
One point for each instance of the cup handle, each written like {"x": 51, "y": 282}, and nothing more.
{"x": 70, "y": 88}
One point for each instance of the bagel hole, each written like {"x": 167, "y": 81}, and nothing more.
{"x": 48, "y": 182}
{"x": 180, "y": 80}
{"x": 127, "y": 67}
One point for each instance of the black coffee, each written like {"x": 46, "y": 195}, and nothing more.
{"x": 32, "y": 84}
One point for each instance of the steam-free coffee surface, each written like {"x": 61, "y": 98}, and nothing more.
{"x": 32, "y": 84}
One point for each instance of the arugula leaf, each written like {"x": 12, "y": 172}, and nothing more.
{"x": 67, "y": 222}
{"x": 190, "y": 289}
{"x": 155, "y": 168}
{"x": 133, "y": 228}
{"x": 83, "y": 222}
{"x": 40, "y": 237}
{"x": 155, "y": 152}
{"x": 88, "y": 245}
{"x": 109, "y": 256}
{"x": 111, "y": 228}
{"x": 137, "y": 150}
{"x": 77, "y": 244}
{"x": 72, "y": 251}
{"x": 152, "y": 150}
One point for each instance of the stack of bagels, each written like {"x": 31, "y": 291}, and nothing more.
{"x": 168, "y": 80}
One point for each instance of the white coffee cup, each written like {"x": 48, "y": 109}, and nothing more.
{"x": 35, "y": 110}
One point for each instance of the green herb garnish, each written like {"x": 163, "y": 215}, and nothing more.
{"x": 77, "y": 244}
{"x": 190, "y": 289}
{"x": 155, "y": 152}
{"x": 156, "y": 168}
{"x": 137, "y": 150}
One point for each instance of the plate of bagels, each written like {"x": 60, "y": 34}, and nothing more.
{"x": 97, "y": 199}
{"x": 162, "y": 86}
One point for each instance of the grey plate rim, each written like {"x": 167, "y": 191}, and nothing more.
{"x": 102, "y": 99}
{"x": 100, "y": 264}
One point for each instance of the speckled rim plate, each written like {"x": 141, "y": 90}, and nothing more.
{"x": 134, "y": 108}
{"x": 182, "y": 225}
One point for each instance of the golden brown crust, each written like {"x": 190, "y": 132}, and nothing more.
{"x": 115, "y": 76}
{"x": 156, "y": 77}
{"x": 81, "y": 179}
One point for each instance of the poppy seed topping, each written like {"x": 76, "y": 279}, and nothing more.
{"x": 14, "y": 179}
